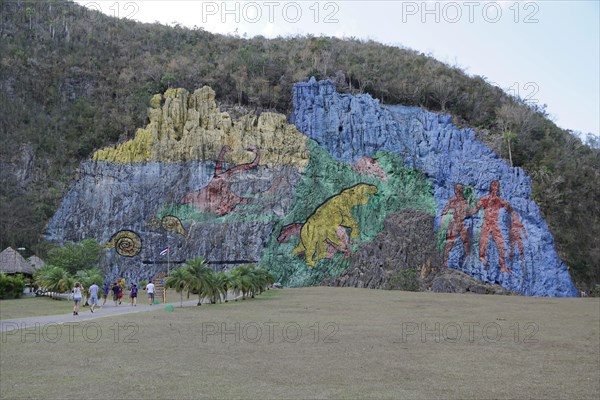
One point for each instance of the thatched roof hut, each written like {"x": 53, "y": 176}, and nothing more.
{"x": 36, "y": 262}
{"x": 11, "y": 262}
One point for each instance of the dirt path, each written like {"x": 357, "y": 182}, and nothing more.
{"x": 108, "y": 310}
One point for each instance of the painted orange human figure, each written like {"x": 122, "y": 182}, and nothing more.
{"x": 514, "y": 236}
{"x": 459, "y": 206}
{"x": 491, "y": 204}
{"x": 216, "y": 197}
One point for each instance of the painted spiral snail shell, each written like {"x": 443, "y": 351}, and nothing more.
{"x": 171, "y": 223}
{"x": 127, "y": 243}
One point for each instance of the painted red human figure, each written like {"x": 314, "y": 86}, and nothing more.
{"x": 491, "y": 204}
{"x": 459, "y": 206}
{"x": 514, "y": 236}
{"x": 217, "y": 197}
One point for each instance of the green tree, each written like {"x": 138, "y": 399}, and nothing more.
{"x": 4, "y": 285}
{"x": 55, "y": 279}
{"x": 235, "y": 284}
{"x": 214, "y": 288}
{"x": 88, "y": 277}
{"x": 509, "y": 136}
{"x": 74, "y": 257}
{"x": 180, "y": 278}
{"x": 246, "y": 280}
{"x": 262, "y": 279}
{"x": 404, "y": 279}
{"x": 223, "y": 284}
{"x": 201, "y": 281}
{"x": 11, "y": 286}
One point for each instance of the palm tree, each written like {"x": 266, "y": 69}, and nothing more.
{"x": 202, "y": 279}
{"x": 214, "y": 288}
{"x": 245, "y": 279}
{"x": 235, "y": 284}
{"x": 54, "y": 279}
{"x": 180, "y": 279}
{"x": 270, "y": 279}
{"x": 264, "y": 279}
{"x": 223, "y": 283}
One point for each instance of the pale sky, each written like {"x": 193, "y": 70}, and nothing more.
{"x": 544, "y": 51}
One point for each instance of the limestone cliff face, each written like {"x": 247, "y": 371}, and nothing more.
{"x": 187, "y": 127}
{"x": 504, "y": 229}
{"x": 407, "y": 241}
{"x": 350, "y": 194}
{"x": 225, "y": 181}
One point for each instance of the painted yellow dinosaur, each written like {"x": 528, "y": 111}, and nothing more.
{"x": 320, "y": 229}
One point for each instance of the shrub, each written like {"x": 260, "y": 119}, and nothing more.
{"x": 3, "y": 284}
{"x": 405, "y": 279}
{"x": 11, "y": 287}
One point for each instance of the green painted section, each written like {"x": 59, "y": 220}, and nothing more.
{"x": 441, "y": 235}
{"x": 325, "y": 177}
{"x": 243, "y": 213}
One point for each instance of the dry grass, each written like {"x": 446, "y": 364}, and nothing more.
{"x": 33, "y": 307}
{"x": 360, "y": 350}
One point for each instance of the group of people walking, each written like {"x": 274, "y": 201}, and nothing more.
{"x": 78, "y": 295}
{"x": 117, "y": 289}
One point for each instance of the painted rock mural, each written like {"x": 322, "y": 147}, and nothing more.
{"x": 193, "y": 181}
{"x": 348, "y": 194}
{"x": 488, "y": 226}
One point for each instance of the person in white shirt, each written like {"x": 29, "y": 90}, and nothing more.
{"x": 150, "y": 290}
{"x": 77, "y": 297}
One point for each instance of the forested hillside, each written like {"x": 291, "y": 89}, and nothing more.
{"x": 73, "y": 80}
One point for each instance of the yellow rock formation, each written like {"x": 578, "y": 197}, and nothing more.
{"x": 191, "y": 127}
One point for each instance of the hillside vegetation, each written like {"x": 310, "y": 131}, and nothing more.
{"x": 73, "y": 80}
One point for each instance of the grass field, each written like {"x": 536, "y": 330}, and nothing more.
{"x": 319, "y": 343}
{"x": 33, "y": 306}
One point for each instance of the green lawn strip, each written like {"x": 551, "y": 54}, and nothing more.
{"x": 33, "y": 307}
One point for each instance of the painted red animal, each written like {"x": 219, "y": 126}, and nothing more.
{"x": 216, "y": 197}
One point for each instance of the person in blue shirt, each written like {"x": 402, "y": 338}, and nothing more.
{"x": 93, "y": 296}
{"x": 133, "y": 294}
